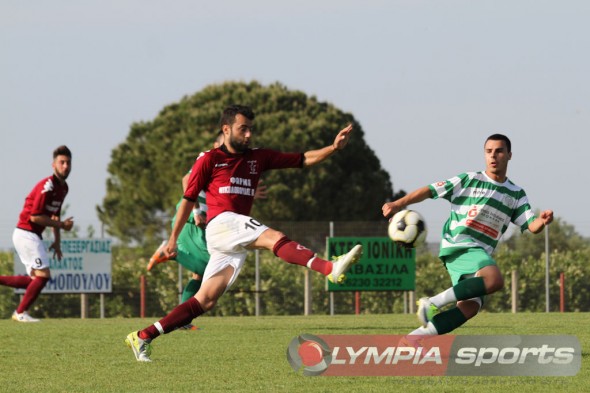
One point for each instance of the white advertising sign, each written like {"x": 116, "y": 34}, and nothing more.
{"x": 84, "y": 268}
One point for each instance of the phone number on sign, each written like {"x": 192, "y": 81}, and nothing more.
{"x": 373, "y": 282}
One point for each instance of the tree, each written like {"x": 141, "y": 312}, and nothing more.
{"x": 562, "y": 237}
{"x": 525, "y": 253}
{"x": 145, "y": 170}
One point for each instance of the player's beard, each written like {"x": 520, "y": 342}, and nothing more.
{"x": 239, "y": 146}
{"x": 63, "y": 175}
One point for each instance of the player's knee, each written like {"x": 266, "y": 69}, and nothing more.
{"x": 42, "y": 273}
{"x": 496, "y": 284}
{"x": 207, "y": 304}
{"x": 492, "y": 278}
{"x": 470, "y": 307}
{"x": 267, "y": 240}
{"x": 279, "y": 240}
{"x": 206, "y": 301}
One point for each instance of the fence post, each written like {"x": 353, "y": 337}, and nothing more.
{"x": 257, "y": 282}
{"x": 405, "y": 302}
{"x": 412, "y": 302}
{"x": 561, "y": 292}
{"x": 514, "y": 288}
{"x": 547, "y": 305}
{"x": 332, "y": 300}
{"x": 102, "y": 306}
{"x": 307, "y": 294}
{"x": 83, "y": 306}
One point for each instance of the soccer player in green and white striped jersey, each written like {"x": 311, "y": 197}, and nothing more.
{"x": 483, "y": 204}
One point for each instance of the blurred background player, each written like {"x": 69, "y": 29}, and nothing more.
{"x": 483, "y": 204}
{"x": 229, "y": 175}
{"x": 42, "y": 209}
{"x": 192, "y": 251}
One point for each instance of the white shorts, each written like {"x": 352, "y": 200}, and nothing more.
{"x": 227, "y": 236}
{"x": 30, "y": 250}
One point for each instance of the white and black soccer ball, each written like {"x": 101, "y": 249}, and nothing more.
{"x": 407, "y": 228}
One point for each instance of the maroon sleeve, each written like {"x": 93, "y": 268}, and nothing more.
{"x": 277, "y": 160}
{"x": 39, "y": 197}
{"x": 200, "y": 175}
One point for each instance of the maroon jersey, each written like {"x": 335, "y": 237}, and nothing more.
{"x": 230, "y": 180}
{"x": 46, "y": 198}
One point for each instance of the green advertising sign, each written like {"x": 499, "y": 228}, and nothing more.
{"x": 384, "y": 266}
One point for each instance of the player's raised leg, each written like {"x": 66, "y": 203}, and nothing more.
{"x": 342, "y": 263}
{"x": 293, "y": 252}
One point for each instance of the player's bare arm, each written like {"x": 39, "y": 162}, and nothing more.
{"x": 416, "y": 196}
{"x": 54, "y": 222}
{"x": 200, "y": 218}
{"x": 313, "y": 157}
{"x": 545, "y": 218}
{"x": 184, "y": 211}
{"x": 261, "y": 192}
{"x": 185, "y": 181}
{"x": 56, "y": 245}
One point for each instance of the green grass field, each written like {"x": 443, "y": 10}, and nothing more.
{"x": 245, "y": 354}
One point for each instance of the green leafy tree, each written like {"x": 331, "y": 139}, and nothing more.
{"x": 525, "y": 253}
{"x": 146, "y": 169}
{"x": 562, "y": 237}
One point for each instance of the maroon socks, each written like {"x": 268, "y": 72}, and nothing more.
{"x": 181, "y": 315}
{"x": 295, "y": 253}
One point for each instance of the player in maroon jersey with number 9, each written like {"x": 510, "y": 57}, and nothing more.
{"x": 229, "y": 175}
{"x": 42, "y": 209}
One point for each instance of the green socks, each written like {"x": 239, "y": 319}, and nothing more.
{"x": 470, "y": 288}
{"x": 192, "y": 287}
{"x": 449, "y": 320}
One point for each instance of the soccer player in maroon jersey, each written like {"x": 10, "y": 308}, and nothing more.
{"x": 229, "y": 175}
{"x": 42, "y": 209}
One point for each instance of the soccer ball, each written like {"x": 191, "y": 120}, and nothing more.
{"x": 407, "y": 228}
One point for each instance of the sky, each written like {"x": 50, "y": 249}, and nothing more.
{"x": 427, "y": 80}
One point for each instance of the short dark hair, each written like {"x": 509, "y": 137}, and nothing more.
{"x": 500, "y": 137}
{"x": 62, "y": 151}
{"x": 229, "y": 114}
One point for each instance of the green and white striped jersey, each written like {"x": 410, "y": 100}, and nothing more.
{"x": 201, "y": 199}
{"x": 481, "y": 210}
{"x": 202, "y": 206}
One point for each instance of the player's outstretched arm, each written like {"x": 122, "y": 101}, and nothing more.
{"x": 53, "y": 222}
{"x": 261, "y": 192}
{"x": 390, "y": 208}
{"x": 313, "y": 157}
{"x": 545, "y": 218}
{"x": 184, "y": 211}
